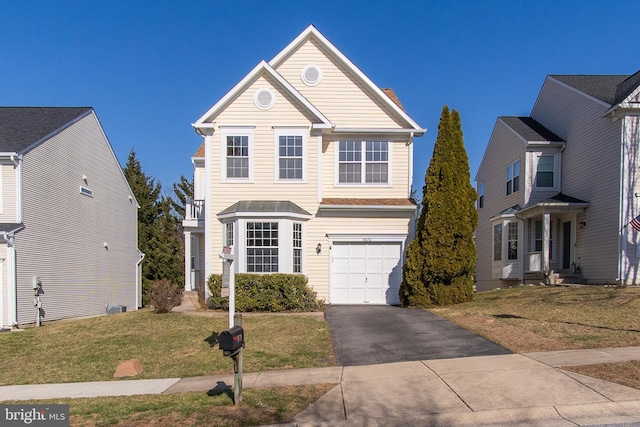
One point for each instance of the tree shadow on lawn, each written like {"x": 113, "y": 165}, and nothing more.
{"x": 513, "y": 316}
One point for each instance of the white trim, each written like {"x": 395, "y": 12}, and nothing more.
{"x": 291, "y": 131}
{"x": 380, "y": 208}
{"x": 258, "y": 94}
{"x": 263, "y": 67}
{"x": 379, "y": 131}
{"x": 311, "y": 31}
{"x": 188, "y": 286}
{"x": 303, "y": 75}
{"x": 2, "y": 286}
{"x": 12, "y": 315}
{"x": 236, "y": 131}
{"x": 319, "y": 168}
{"x": 208, "y": 217}
{"x": 366, "y": 238}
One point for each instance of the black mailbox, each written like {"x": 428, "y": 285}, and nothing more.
{"x": 231, "y": 340}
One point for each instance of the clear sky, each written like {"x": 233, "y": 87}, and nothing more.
{"x": 151, "y": 68}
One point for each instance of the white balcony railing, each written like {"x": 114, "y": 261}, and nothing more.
{"x": 194, "y": 211}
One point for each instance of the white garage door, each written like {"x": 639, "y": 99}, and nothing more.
{"x": 365, "y": 273}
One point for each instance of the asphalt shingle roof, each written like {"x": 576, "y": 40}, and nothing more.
{"x": 530, "y": 129}
{"x": 266, "y": 206}
{"x": 603, "y": 87}
{"x": 22, "y": 126}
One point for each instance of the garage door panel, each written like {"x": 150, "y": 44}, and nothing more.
{"x": 366, "y": 273}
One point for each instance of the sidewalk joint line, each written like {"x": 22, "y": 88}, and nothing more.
{"x": 447, "y": 384}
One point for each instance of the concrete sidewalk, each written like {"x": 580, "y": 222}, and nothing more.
{"x": 513, "y": 389}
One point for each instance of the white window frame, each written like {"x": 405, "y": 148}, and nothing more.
{"x": 480, "y": 195}
{"x": 363, "y": 163}
{"x": 511, "y": 177}
{"x": 556, "y": 171}
{"x": 236, "y": 131}
{"x": 277, "y": 247}
{"x": 302, "y": 132}
{"x": 297, "y": 244}
{"x": 229, "y": 233}
{"x": 509, "y": 239}
{"x": 497, "y": 254}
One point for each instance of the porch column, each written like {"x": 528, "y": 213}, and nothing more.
{"x": 188, "y": 286}
{"x": 546, "y": 226}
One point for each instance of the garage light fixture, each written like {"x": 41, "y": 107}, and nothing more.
{"x": 319, "y": 249}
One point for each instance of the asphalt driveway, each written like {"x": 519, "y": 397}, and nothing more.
{"x": 367, "y": 335}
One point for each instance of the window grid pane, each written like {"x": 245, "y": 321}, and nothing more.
{"x": 297, "y": 247}
{"x": 497, "y": 242}
{"x": 290, "y": 153}
{"x": 228, "y": 234}
{"x": 237, "y": 156}
{"x": 262, "y": 247}
{"x": 512, "y": 240}
{"x": 375, "y": 159}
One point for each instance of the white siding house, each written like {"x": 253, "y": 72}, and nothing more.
{"x": 306, "y": 168}
{"x": 68, "y": 217}
{"x": 560, "y": 187}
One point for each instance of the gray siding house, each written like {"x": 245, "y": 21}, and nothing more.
{"x": 558, "y": 189}
{"x": 68, "y": 218}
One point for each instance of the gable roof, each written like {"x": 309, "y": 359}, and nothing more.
{"x": 312, "y": 32}
{"x": 530, "y": 129}
{"x": 258, "y": 70}
{"x": 21, "y": 127}
{"x": 602, "y": 87}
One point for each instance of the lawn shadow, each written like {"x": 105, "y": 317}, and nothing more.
{"x": 513, "y": 316}
{"x": 212, "y": 339}
{"x": 220, "y": 389}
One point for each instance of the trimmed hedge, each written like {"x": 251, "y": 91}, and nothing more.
{"x": 266, "y": 292}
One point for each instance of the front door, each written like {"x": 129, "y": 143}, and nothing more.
{"x": 566, "y": 245}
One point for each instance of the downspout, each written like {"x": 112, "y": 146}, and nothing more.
{"x": 12, "y": 306}
{"x": 16, "y": 159}
{"x": 410, "y": 144}
{"x": 139, "y": 281}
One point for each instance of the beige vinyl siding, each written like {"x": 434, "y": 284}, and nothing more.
{"x": 590, "y": 171}
{"x": 339, "y": 96}
{"x": 318, "y": 266}
{"x": 8, "y": 204}
{"x": 503, "y": 149}
{"x": 222, "y": 194}
{"x": 198, "y": 188}
{"x": 65, "y": 231}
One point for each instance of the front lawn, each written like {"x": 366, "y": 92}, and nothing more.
{"x": 167, "y": 345}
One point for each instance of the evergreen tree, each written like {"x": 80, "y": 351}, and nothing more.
{"x": 441, "y": 259}
{"x": 159, "y": 234}
{"x": 182, "y": 190}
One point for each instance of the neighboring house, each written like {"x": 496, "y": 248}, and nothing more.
{"x": 306, "y": 167}
{"x": 67, "y": 217}
{"x": 557, "y": 190}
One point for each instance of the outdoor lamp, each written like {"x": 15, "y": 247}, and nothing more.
{"x": 319, "y": 248}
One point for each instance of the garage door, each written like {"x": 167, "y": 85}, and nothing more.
{"x": 365, "y": 273}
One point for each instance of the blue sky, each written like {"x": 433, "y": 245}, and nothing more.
{"x": 151, "y": 68}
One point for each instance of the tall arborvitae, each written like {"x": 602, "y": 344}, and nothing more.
{"x": 441, "y": 259}
{"x": 158, "y": 235}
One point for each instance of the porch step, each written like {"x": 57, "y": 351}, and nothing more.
{"x": 566, "y": 279}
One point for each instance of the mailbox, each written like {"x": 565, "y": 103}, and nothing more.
{"x": 231, "y": 340}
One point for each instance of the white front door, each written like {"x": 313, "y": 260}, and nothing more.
{"x": 365, "y": 273}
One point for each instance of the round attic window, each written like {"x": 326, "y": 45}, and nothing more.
{"x": 264, "y": 99}
{"x": 311, "y": 75}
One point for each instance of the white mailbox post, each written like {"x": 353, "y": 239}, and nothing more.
{"x": 228, "y": 281}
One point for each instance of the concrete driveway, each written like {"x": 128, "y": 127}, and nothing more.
{"x": 367, "y": 335}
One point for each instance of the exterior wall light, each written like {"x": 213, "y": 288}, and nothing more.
{"x": 319, "y": 249}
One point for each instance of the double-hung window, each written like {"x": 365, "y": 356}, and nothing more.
{"x": 297, "y": 247}
{"x": 236, "y": 154}
{"x": 262, "y": 247}
{"x": 290, "y": 155}
{"x": 545, "y": 171}
{"x": 363, "y": 162}
{"x": 513, "y": 177}
{"x": 512, "y": 240}
{"x": 497, "y": 242}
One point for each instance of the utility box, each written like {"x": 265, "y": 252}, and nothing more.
{"x": 115, "y": 309}
{"x": 231, "y": 340}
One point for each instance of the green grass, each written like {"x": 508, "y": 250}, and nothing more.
{"x": 260, "y": 406}
{"x": 552, "y": 318}
{"x": 167, "y": 345}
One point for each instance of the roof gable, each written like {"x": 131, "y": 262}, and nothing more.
{"x": 206, "y": 120}
{"x": 21, "y": 127}
{"x": 387, "y": 100}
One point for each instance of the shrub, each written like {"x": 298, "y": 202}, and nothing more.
{"x": 266, "y": 292}
{"x": 164, "y": 295}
